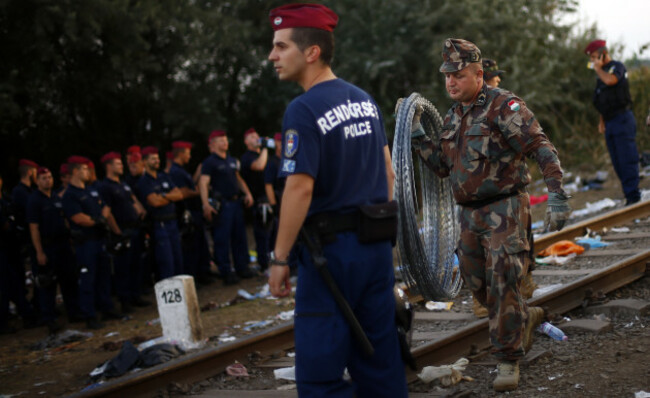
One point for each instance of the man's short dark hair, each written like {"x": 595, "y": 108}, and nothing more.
{"x": 305, "y": 37}
{"x": 24, "y": 170}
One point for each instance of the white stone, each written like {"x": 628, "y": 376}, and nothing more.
{"x": 178, "y": 307}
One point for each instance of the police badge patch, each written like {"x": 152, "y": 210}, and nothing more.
{"x": 288, "y": 166}
{"x": 290, "y": 143}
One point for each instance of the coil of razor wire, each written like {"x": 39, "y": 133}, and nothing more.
{"x": 428, "y": 231}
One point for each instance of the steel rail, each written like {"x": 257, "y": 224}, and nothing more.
{"x": 207, "y": 363}
{"x": 612, "y": 218}
{"x": 196, "y": 366}
{"x": 474, "y": 336}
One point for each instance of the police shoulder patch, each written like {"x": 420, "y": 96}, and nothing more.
{"x": 288, "y": 166}
{"x": 290, "y": 143}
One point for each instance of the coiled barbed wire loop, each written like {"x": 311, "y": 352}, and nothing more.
{"x": 428, "y": 234}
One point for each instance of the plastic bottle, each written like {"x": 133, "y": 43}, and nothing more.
{"x": 552, "y": 331}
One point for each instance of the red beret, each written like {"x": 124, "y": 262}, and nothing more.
{"x": 277, "y": 136}
{"x": 169, "y": 155}
{"x": 249, "y": 132}
{"x": 110, "y": 156}
{"x": 77, "y": 160}
{"x": 90, "y": 163}
{"x": 42, "y": 170}
{"x": 134, "y": 157}
{"x": 149, "y": 150}
{"x": 303, "y": 16}
{"x": 133, "y": 149}
{"x": 595, "y": 45}
{"x": 181, "y": 144}
{"x": 27, "y": 162}
{"x": 64, "y": 170}
{"x": 216, "y": 133}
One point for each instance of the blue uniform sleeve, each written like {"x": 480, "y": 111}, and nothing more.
{"x": 144, "y": 188}
{"x": 32, "y": 213}
{"x": 301, "y": 142}
{"x": 71, "y": 206}
{"x": 617, "y": 69}
{"x": 270, "y": 172}
{"x": 207, "y": 167}
{"x": 106, "y": 194}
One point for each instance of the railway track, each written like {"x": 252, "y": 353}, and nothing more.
{"x": 463, "y": 338}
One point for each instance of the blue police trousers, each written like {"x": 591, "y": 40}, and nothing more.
{"x": 230, "y": 234}
{"x": 94, "y": 278}
{"x": 620, "y": 134}
{"x": 169, "y": 255}
{"x": 127, "y": 268}
{"x": 60, "y": 261}
{"x": 324, "y": 343}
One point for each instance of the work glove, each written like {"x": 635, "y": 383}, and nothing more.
{"x": 416, "y": 127}
{"x": 557, "y": 211}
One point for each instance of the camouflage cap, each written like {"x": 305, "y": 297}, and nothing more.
{"x": 457, "y": 54}
{"x": 491, "y": 69}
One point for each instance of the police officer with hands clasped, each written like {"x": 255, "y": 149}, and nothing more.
{"x": 90, "y": 221}
{"x": 54, "y": 259}
{"x": 338, "y": 170}
{"x": 486, "y": 137}
{"x": 220, "y": 185}
{"x": 128, "y": 213}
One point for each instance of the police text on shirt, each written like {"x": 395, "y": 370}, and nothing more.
{"x": 347, "y": 111}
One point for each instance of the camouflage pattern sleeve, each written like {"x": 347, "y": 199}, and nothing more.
{"x": 524, "y": 133}
{"x": 430, "y": 153}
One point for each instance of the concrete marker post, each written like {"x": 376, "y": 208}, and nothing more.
{"x": 178, "y": 307}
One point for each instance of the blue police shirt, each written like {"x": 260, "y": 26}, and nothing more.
{"x": 118, "y": 196}
{"x": 254, "y": 179}
{"x": 161, "y": 184}
{"x": 612, "y": 100}
{"x": 47, "y": 212}
{"x": 182, "y": 179}
{"x": 223, "y": 174}
{"x": 334, "y": 132}
{"x": 79, "y": 200}
{"x": 19, "y": 196}
{"x": 271, "y": 175}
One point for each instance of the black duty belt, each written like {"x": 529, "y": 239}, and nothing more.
{"x": 477, "y": 204}
{"x": 333, "y": 223}
{"x": 164, "y": 217}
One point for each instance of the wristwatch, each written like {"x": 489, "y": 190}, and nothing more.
{"x": 275, "y": 261}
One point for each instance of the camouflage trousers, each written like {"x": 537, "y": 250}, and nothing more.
{"x": 493, "y": 254}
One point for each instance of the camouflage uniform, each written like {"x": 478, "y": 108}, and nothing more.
{"x": 482, "y": 149}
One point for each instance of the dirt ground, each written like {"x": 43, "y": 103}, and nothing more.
{"x": 608, "y": 363}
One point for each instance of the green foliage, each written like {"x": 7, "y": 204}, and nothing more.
{"x": 86, "y": 77}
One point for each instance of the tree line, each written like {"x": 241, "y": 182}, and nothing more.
{"x": 86, "y": 77}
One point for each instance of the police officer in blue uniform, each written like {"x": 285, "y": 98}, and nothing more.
{"x": 90, "y": 220}
{"x": 54, "y": 261}
{"x": 253, "y": 162}
{"x": 128, "y": 213}
{"x": 196, "y": 253}
{"x": 614, "y": 103}
{"x": 219, "y": 173}
{"x": 19, "y": 242}
{"x": 158, "y": 193}
{"x": 336, "y": 159}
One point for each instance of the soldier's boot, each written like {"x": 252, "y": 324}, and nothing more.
{"x": 528, "y": 286}
{"x": 507, "y": 377}
{"x": 479, "y": 310}
{"x": 535, "y": 317}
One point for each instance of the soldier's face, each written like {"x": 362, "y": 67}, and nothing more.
{"x": 494, "y": 82}
{"x": 463, "y": 85}
{"x": 289, "y": 62}
{"x": 117, "y": 167}
{"x": 152, "y": 162}
{"x": 136, "y": 168}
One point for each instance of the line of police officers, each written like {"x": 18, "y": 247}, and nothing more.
{"x": 93, "y": 238}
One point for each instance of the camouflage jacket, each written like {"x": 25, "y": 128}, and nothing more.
{"x": 482, "y": 148}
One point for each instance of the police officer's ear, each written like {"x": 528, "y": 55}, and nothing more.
{"x": 312, "y": 53}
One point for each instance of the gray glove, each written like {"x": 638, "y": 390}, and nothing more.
{"x": 416, "y": 128}
{"x": 557, "y": 211}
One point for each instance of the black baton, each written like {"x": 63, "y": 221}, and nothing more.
{"x": 320, "y": 262}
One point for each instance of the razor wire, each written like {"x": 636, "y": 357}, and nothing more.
{"x": 428, "y": 233}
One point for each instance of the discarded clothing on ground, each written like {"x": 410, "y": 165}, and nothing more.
{"x": 562, "y": 248}
{"x": 129, "y": 358}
